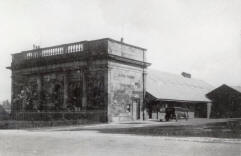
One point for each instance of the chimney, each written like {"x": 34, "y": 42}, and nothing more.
{"x": 186, "y": 75}
{"x": 122, "y": 39}
{"x": 36, "y": 46}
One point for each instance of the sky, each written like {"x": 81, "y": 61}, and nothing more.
{"x": 201, "y": 37}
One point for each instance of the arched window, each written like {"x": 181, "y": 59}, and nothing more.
{"x": 75, "y": 96}
{"x": 58, "y": 97}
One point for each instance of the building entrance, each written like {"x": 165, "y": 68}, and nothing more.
{"x": 136, "y": 109}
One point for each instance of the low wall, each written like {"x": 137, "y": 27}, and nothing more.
{"x": 96, "y": 115}
{"x": 50, "y": 119}
{"x": 14, "y": 124}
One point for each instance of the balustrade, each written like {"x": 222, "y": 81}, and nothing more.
{"x": 51, "y": 51}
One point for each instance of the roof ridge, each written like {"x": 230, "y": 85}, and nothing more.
{"x": 179, "y": 76}
{"x": 237, "y": 88}
{"x": 165, "y": 85}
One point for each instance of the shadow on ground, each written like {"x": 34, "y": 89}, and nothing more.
{"x": 229, "y": 129}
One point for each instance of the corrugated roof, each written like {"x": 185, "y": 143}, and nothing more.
{"x": 163, "y": 85}
{"x": 237, "y": 88}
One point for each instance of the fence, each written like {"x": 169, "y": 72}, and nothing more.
{"x": 96, "y": 115}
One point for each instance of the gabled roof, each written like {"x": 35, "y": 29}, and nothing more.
{"x": 237, "y": 88}
{"x": 167, "y": 86}
{"x": 223, "y": 88}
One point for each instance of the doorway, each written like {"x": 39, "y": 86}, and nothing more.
{"x": 136, "y": 109}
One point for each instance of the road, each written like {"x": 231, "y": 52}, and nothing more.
{"x": 92, "y": 143}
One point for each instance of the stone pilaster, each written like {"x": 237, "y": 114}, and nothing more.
{"x": 143, "y": 101}
{"x": 66, "y": 83}
{"x": 84, "y": 94}
{"x": 209, "y": 108}
{"x": 39, "y": 89}
{"x": 13, "y": 107}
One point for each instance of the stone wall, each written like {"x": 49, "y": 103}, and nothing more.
{"x": 96, "y": 90}
{"x": 24, "y": 92}
{"x": 73, "y": 90}
{"x": 125, "y": 87}
{"x": 126, "y": 51}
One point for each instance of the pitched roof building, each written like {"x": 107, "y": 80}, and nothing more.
{"x": 226, "y": 101}
{"x": 172, "y": 87}
{"x": 167, "y": 89}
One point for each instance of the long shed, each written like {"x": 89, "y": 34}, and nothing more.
{"x": 169, "y": 90}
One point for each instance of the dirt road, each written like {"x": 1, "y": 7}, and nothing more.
{"x": 92, "y": 143}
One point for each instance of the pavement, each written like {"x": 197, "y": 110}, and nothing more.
{"x": 129, "y": 124}
{"x": 63, "y": 141}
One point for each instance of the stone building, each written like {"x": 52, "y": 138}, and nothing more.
{"x": 101, "y": 80}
